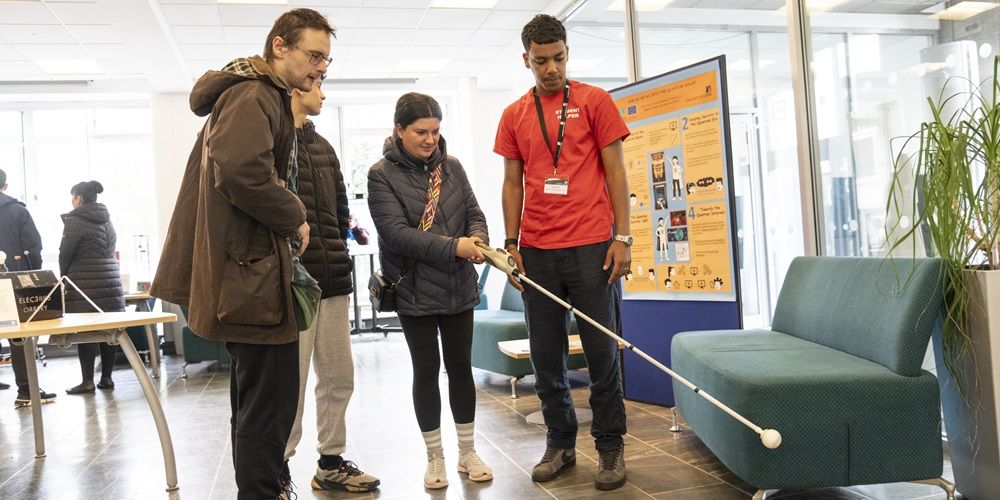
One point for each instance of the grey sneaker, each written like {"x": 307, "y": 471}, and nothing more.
{"x": 24, "y": 400}
{"x": 347, "y": 477}
{"x": 611, "y": 470}
{"x": 553, "y": 463}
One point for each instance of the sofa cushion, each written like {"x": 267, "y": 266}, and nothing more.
{"x": 877, "y": 309}
{"x": 843, "y": 419}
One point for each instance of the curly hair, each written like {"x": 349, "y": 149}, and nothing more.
{"x": 542, "y": 29}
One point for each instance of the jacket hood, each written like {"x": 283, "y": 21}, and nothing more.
{"x": 6, "y": 199}
{"x": 212, "y": 84}
{"x": 308, "y": 132}
{"x": 93, "y": 212}
{"x": 394, "y": 151}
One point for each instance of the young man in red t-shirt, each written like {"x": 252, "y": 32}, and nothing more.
{"x": 565, "y": 205}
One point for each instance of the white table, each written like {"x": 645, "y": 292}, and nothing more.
{"x": 520, "y": 349}
{"x": 141, "y": 302}
{"x": 98, "y": 327}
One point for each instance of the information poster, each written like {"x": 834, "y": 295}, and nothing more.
{"x": 679, "y": 173}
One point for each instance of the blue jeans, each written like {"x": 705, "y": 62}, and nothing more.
{"x": 574, "y": 275}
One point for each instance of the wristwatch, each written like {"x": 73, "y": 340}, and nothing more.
{"x": 624, "y": 238}
{"x": 508, "y": 242}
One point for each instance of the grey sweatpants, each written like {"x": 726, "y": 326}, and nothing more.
{"x": 327, "y": 344}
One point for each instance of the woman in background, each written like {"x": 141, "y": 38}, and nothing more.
{"x": 87, "y": 256}
{"x": 428, "y": 223}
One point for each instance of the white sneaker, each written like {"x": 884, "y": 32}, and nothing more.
{"x": 435, "y": 477}
{"x": 470, "y": 463}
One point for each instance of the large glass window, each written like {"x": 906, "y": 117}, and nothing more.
{"x": 62, "y": 147}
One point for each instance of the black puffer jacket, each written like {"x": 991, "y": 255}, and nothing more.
{"x": 437, "y": 282}
{"x": 322, "y": 191}
{"x": 18, "y": 236}
{"x": 87, "y": 256}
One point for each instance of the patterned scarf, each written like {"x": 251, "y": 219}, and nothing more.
{"x": 433, "y": 195}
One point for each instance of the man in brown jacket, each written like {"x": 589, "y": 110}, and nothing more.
{"x": 227, "y": 254}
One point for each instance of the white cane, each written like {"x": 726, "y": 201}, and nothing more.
{"x": 504, "y": 261}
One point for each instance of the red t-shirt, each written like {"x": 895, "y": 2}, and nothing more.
{"x": 584, "y": 215}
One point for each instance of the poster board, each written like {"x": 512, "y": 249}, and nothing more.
{"x": 657, "y": 110}
{"x": 679, "y": 167}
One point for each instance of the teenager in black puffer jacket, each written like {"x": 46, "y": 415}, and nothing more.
{"x": 87, "y": 256}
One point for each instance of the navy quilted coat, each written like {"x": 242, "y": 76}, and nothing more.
{"x": 87, "y": 256}
{"x": 437, "y": 282}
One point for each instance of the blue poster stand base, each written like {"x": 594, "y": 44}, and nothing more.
{"x": 650, "y": 325}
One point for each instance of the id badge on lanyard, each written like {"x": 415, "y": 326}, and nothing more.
{"x": 555, "y": 184}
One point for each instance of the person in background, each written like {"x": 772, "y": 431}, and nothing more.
{"x": 355, "y": 232}
{"x": 561, "y": 206}
{"x": 428, "y": 222}
{"x": 87, "y": 256}
{"x": 326, "y": 344}
{"x": 227, "y": 254}
{"x": 20, "y": 240}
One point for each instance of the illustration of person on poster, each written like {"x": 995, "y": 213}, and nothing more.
{"x": 677, "y": 171}
{"x": 661, "y": 238}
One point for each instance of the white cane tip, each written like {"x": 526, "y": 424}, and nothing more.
{"x": 3, "y": 256}
{"x": 771, "y": 438}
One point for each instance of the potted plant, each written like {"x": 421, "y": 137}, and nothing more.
{"x": 947, "y": 192}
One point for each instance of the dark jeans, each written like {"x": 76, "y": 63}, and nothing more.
{"x": 574, "y": 275}
{"x": 456, "y": 344}
{"x": 677, "y": 188}
{"x": 87, "y": 353}
{"x": 263, "y": 391}
{"x": 18, "y": 363}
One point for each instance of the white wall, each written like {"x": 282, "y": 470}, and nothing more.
{"x": 175, "y": 129}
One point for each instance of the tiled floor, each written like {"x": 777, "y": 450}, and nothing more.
{"x": 105, "y": 446}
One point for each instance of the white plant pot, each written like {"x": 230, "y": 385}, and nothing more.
{"x": 972, "y": 428}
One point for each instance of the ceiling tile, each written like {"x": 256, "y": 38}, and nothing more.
{"x": 198, "y": 67}
{"x": 27, "y": 13}
{"x": 374, "y": 36}
{"x": 7, "y": 53}
{"x": 533, "y": 5}
{"x": 199, "y": 34}
{"x": 217, "y": 52}
{"x": 493, "y": 37}
{"x": 79, "y": 13}
{"x": 395, "y": 4}
{"x": 13, "y": 70}
{"x": 441, "y": 37}
{"x": 192, "y": 15}
{"x": 340, "y": 16}
{"x": 35, "y": 33}
{"x": 53, "y": 51}
{"x": 389, "y": 18}
{"x": 470, "y": 53}
{"x": 454, "y": 18}
{"x": 371, "y": 53}
{"x": 206, "y": 2}
{"x": 465, "y": 68}
{"x": 250, "y": 15}
{"x": 93, "y": 33}
{"x": 514, "y": 19}
{"x": 246, "y": 34}
{"x": 327, "y": 3}
{"x": 428, "y": 52}
{"x": 112, "y": 51}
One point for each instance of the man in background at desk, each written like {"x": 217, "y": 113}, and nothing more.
{"x": 20, "y": 240}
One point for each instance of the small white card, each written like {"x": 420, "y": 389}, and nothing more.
{"x": 9, "y": 320}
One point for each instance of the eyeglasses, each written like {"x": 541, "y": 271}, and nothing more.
{"x": 314, "y": 57}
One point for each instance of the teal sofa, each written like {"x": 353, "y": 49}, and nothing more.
{"x": 838, "y": 375}
{"x": 197, "y": 349}
{"x": 507, "y": 323}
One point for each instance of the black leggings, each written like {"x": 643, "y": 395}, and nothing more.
{"x": 88, "y": 353}
{"x": 456, "y": 343}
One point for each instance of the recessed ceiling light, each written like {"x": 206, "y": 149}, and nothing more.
{"x": 641, "y": 5}
{"x": 463, "y": 4}
{"x": 69, "y": 66}
{"x": 255, "y": 2}
{"x": 964, "y": 10}
{"x": 421, "y": 65}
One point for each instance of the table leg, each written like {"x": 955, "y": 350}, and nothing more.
{"x": 357, "y": 306}
{"x": 36, "y": 400}
{"x": 371, "y": 265}
{"x": 166, "y": 444}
